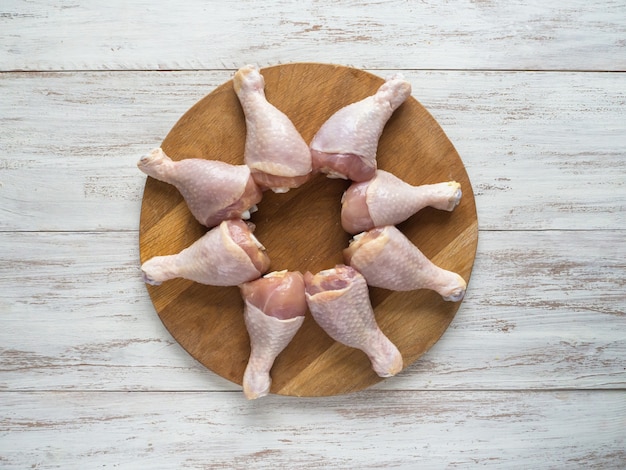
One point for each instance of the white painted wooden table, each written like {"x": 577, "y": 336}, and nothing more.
{"x": 531, "y": 373}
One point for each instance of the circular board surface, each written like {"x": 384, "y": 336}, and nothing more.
{"x": 301, "y": 230}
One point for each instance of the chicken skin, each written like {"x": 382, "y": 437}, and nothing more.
{"x": 346, "y": 144}
{"x": 274, "y": 308}
{"x": 274, "y": 151}
{"x": 339, "y": 301}
{"x": 387, "y": 200}
{"x": 213, "y": 190}
{"x": 388, "y": 259}
{"x": 227, "y": 255}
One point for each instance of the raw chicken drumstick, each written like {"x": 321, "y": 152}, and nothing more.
{"x": 275, "y": 152}
{"x": 387, "y": 200}
{"x": 345, "y": 146}
{"x": 388, "y": 259}
{"x": 339, "y": 301}
{"x": 274, "y": 311}
{"x": 213, "y": 190}
{"x": 227, "y": 255}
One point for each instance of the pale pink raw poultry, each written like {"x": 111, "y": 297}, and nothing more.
{"x": 273, "y": 312}
{"x": 227, "y": 255}
{"x": 388, "y": 259}
{"x": 387, "y": 200}
{"x": 275, "y": 151}
{"x": 213, "y": 190}
{"x": 339, "y": 301}
{"x": 346, "y": 144}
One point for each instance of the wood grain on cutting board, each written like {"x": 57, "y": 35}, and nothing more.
{"x": 301, "y": 230}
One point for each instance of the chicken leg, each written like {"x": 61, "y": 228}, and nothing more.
{"x": 388, "y": 259}
{"x": 273, "y": 312}
{"x": 387, "y": 200}
{"x": 346, "y": 144}
{"x": 213, "y": 190}
{"x": 226, "y": 255}
{"x": 339, "y": 301}
{"x": 274, "y": 150}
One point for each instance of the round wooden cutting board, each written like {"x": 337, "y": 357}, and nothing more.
{"x": 301, "y": 230}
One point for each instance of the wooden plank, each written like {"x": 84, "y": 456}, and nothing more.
{"x": 543, "y": 150}
{"x": 543, "y": 310}
{"x": 538, "y": 302}
{"x": 539, "y": 147}
{"x": 147, "y": 35}
{"x": 74, "y": 166}
{"x": 560, "y": 429}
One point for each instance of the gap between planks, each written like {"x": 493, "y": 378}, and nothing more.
{"x": 368, "y": 391}
{"x": 368, "y": 69}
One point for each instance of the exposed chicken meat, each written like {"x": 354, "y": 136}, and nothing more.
{"x": 346, "y": 144}
{"x": 339, "y": 301}
{"x": 213, "y": 190}
{"x": 387, "y": 200}
{"x": 274, "y": 311}
{"x": 226, "y": 255}
{"x": 388, "y": 259}
{"x": 275, "y": 152}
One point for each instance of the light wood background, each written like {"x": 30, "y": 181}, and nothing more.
{"x": 531, "y": 372}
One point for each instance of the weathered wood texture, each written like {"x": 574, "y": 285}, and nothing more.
{"x": 530, "y": 374}
{"x": 544, "y": 310}
{"x": 148, "y": 35}
{"x": 372, "y": 430}
{"x": 543, "y": 150}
